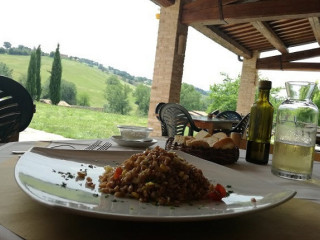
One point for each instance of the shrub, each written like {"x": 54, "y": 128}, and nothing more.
{"x": 83, "y": 99}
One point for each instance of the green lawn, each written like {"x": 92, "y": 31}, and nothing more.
{"x": 80, "y": 123}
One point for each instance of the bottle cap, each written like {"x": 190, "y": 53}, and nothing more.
{"x": 265, "y": 84}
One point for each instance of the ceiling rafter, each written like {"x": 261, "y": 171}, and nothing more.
{"x": 270, "y": 35}
{"x": 223, "y": 40}
{"x": 164, "y": 3}
{"x": 210, "y": 12}
{"x": 285, "y": 61}
{"x": 315, "y": 24}
{"x": 290, "y": 66}
{"x": 201, "y": 4}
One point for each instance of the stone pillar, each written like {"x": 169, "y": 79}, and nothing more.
{"x": 248, "y": 84}
{"x": 169, "y": 60}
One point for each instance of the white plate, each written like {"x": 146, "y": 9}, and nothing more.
{"x": 47, "y": 176}
{"x": 139, "y": 144}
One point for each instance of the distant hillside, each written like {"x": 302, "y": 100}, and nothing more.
{"x": 88, "y": 76}
{"x": 87, "y": 79}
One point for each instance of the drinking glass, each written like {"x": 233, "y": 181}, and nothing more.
{"x": 295, "y": 133}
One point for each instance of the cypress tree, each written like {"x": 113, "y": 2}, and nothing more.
{"x": 31, "y": 78}
{"x": 38, "y": 77}
{"x": 55, "y": 79}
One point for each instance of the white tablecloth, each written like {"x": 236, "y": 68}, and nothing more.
{"x": 305, "y": 189}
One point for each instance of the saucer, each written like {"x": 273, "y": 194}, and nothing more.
{"x": 133, "y": 143}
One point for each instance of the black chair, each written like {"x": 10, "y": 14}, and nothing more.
{"x": 16, "y": 109}
{"x": 242, "y": 126}
{"x": 230, "y": 115}
{"x": 176, "y": 118}
{"x": 215, "y": 112}
{"x": 163, "y": 125}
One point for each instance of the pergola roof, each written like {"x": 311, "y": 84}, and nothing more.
{"x": 245, "y": 26}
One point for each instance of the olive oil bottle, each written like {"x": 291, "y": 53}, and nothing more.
{"x": 260, "y": 126}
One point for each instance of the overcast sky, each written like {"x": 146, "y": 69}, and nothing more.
{"x": 121, "y": 34}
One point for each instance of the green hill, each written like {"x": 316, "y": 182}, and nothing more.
{"x": 90, "y": 80}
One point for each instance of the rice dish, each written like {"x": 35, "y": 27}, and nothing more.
{"x": 156, "y": 176}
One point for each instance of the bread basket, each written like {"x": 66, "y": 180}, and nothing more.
{"x": 220, "y": 156}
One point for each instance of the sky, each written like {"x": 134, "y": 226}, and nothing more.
{"x": 121, "y": 34}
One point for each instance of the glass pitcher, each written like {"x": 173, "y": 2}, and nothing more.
{"x": 295, "y": 133}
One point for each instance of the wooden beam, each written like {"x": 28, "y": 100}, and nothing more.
{"x": 290, "y": 66}
{"x": 203, "y": 4}
{"x": 295, "y": 56}
{"x": 222, "y": 39}
{"x": 315, "y": 24}
{"x": 209, "y": 13}
{"x": 270, "y": 35}
{"x": 284, "y": 61}
{"x": 301, "y": 55}
{"x": 164, "y": 3}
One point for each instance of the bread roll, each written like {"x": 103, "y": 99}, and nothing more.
{"x": 181, "y": 140}
{"x": 220, "y": 135}
{"x": 197, "y": 143}
{"x": 225, "y": 143}
{"x": 211, "y": 140}
{"x": 202, "y": 134}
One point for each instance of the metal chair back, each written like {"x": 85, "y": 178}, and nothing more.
{"x": 163, "y": 125}
{"x": 230, "y": 115}
{"x": 16, "y": 108}
{"x": 176, "y": 118}
{"x": 242, "y": 126}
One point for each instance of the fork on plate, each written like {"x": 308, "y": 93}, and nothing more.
{"x": 104, "y": 146}
{"x": 96, "y": 146}
{"x": 93, "y": 145}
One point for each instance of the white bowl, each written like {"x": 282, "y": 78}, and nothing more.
{"x": 134, "y": 133}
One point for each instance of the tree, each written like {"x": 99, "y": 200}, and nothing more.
{"x": 23, "y": 80}
{"x": 142, "y": 96}
{"x": 116, "y": 95}
{"x": 189, "y": 97}
{"x": 31, "y": 77}
{"x": 55, "y": 79}
{"x": 84, "y": 99}
{"x": 37, "y": 72}
{"x": 69, "y": 92}
{"x": 316, "y": 99}
{"x": 45, "y": 93}
{"x": 224, "y": 96}
{"x": 5, "y": 70}
{"x": 7, "y": 45}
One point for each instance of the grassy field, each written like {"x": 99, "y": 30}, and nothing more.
{"x": 80, "y": 123}
{"x": 88, "y": 79}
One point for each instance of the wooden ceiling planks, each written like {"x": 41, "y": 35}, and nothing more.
{"x": 271, "y": 36}
{"x": 246, "y": 26}
{"x": 248, "y": 11}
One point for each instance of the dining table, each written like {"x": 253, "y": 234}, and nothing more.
{"x": 21, "y": 217}
{"x": 213, "y": 123}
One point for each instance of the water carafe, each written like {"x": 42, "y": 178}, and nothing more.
{"x": 295, "y": 133}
